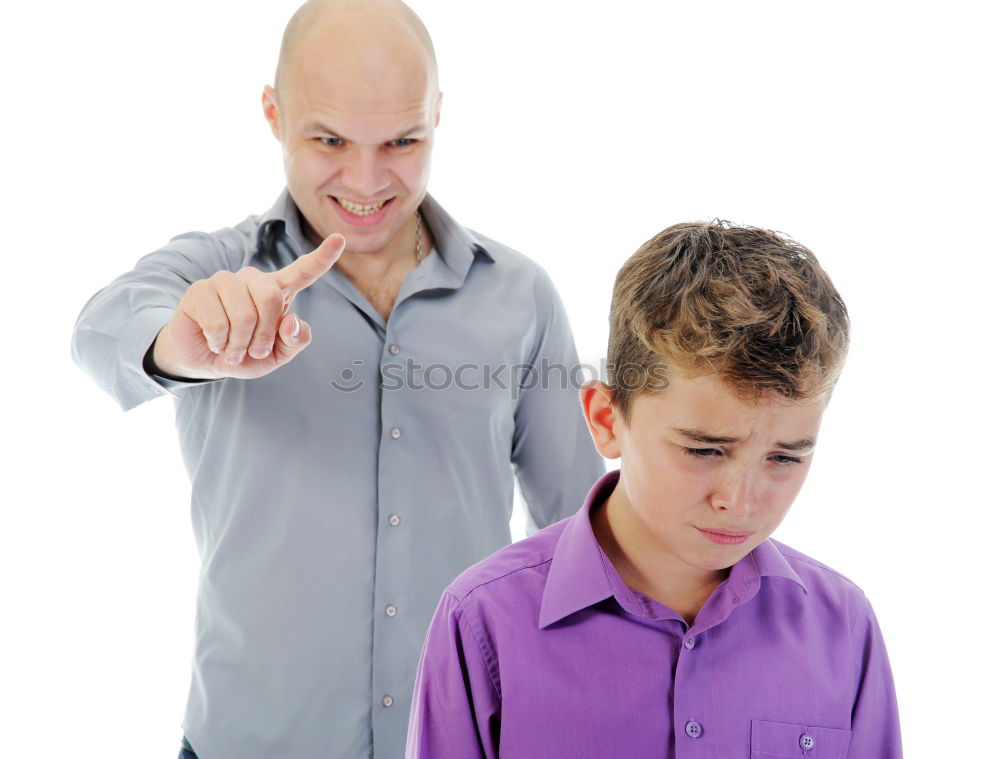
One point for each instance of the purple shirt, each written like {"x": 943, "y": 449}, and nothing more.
{"x": 542, "y": 652}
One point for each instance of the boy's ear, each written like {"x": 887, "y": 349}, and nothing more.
{"x": 602, "y": 418}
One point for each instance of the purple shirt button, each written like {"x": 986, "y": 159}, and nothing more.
{"x": 806, "y": 741}
{"x": 689, "y": 643}
{"x": 693, "y": 729}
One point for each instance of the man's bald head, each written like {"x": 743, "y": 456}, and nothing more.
{"x": 346, "y": 18}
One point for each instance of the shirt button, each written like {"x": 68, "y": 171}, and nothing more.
{"x": 395, "y": 432}
{"x": 693, "y": 729}
{"x": 689, "y": 643}
{"x": 806, "y": 741}
{"x": 390, "y": 611}
{"x": 388, "y": 701}
{"x": 394, "y": 520}
{"x": 394, "y": 350}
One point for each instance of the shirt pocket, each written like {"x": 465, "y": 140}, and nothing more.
{"x": 783, "y": 740}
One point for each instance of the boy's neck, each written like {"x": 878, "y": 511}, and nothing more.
{"x": 645, "y": 566}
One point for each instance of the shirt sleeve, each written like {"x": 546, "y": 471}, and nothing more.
{"x": 455, "y": 712}
{"x": 119, "y": 323}
{"x": 553, "y": 455}
{"x": 875, "y": 721}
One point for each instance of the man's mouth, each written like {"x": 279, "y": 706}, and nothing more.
{"x": 361, "y": 210}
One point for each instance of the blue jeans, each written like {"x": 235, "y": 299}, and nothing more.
{"x": 186, "y": 752}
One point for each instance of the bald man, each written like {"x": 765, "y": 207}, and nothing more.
{"x": 354, "y": 374}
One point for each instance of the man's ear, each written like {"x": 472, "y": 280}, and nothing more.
{"x": 602, "y": 417}
{"x": 270, "y": 103}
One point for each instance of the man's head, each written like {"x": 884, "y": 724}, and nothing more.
{"x": 725, "y": 344}
{"x": 355, "y": 105}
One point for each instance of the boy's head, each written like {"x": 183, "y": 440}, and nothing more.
{"x": 725, "y": 344}
{"x": 751, "y": 306}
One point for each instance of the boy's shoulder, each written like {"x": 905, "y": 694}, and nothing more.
{"x": 824, "y": 583}
{"x": 512, "y": 568}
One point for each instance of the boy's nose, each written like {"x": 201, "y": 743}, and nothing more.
{"x": 735, "y": 492}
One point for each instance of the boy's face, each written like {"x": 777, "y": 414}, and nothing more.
{"x": 706, "y": 477}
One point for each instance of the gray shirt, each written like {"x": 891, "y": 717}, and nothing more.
{"x": 334, "y": 499}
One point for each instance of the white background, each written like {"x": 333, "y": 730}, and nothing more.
{"x": 573, "y": 131}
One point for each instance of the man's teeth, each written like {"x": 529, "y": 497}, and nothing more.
{"x": 361, "y": 210}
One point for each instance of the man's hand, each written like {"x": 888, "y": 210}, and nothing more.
{"x": 239, "y": 325}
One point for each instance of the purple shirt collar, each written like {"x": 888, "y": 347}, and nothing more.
{"x": 581, "y": 575}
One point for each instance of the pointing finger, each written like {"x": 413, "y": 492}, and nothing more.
{"x": 305, "y": 270}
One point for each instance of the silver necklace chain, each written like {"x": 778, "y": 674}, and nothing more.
{"x": 420, "y": 250}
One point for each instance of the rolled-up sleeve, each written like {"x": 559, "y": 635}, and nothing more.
{"x": 455, "y": 712}
{"x": 875, "y": 728}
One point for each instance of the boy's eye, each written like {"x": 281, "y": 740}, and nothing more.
{"x": 331, "y": 142}
{"x": 783, "y": 460}
{"x": 702, "y": 453}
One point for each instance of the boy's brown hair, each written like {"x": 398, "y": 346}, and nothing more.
{"x": 750, "y": 304}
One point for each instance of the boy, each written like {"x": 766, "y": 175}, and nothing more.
{"x": 661, "y": 620}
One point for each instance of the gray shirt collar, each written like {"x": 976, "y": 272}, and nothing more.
{"x": 455, "y": 245}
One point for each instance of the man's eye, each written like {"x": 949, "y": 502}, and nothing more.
{"x": 402, "y": 142}
{"x": 331, "y": 142}
{"x": 702, "y": 453}
{"x": 783, "y": 460}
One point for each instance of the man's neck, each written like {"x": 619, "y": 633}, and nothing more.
{"x": 379, "y": 275}
{"x": 645, "y": 566}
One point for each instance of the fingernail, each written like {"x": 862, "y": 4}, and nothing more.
{"x": 260, "y": 351}
{"x": 297, "y": 327}
{"x": 215, "y": 348}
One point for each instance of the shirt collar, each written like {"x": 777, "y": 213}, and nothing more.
{"x": 581, "y": 576}
{"x": 284, "y": 209}
{"x": 454, "y": 243}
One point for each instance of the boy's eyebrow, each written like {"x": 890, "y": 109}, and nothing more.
{"x": 798, "y": 445}
{"x": 704, "y": 437}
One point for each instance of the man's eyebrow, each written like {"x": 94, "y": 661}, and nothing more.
{"x": 703, "y": 437}
{"x": 417, "y": 129}
{"x": 316, "y": 126}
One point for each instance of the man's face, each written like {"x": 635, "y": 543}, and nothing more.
{"x": 706, "y": 476}
{"x": 356, "y": 135}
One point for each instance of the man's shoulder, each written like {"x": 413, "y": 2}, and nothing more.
{"x": 516, "y": 568}
{"x": 509, "y": 258}
{"x": 240, "y": 238}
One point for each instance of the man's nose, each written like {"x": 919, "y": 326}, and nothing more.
{"x": 735, "y": 491}
{"x": 366, "y": 175}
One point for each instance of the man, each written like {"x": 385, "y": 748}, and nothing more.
{"x": 661, "y": 620}
{"x": 348, "y": 416}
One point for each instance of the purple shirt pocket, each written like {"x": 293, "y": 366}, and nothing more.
{"x": 782, "y": 740}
